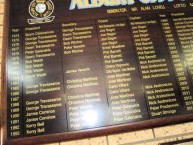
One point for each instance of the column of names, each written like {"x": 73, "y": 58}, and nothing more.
{"x": 125, "y": 95}
{"x": 157, "y": 75}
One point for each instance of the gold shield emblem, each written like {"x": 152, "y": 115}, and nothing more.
{"x": 41, "y": 11}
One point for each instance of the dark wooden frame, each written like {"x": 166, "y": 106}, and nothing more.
{"x": 66, "y": 136}
{"x": 99, "y": 131}
{"x": 179, "y": 142}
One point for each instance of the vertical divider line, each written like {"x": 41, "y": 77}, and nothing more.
{"x": 22, "y": 75}
{"x": 103, "y": 71}
{"x": 62, "y": 63}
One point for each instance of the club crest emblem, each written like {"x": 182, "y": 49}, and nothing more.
{"x": 41, "y": 11}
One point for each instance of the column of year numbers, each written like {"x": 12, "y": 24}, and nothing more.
{"x": 14, "y": 85}
{"x": 179, "y": 68}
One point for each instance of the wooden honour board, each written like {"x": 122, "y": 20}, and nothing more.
{"x": 76, "y": 69}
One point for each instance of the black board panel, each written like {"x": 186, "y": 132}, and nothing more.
{"x": 98, "y": 67}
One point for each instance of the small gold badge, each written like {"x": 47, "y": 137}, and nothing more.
{"x": 41, "y": 11}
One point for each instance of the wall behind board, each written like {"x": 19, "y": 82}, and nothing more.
{"x": 152, "y": 136}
